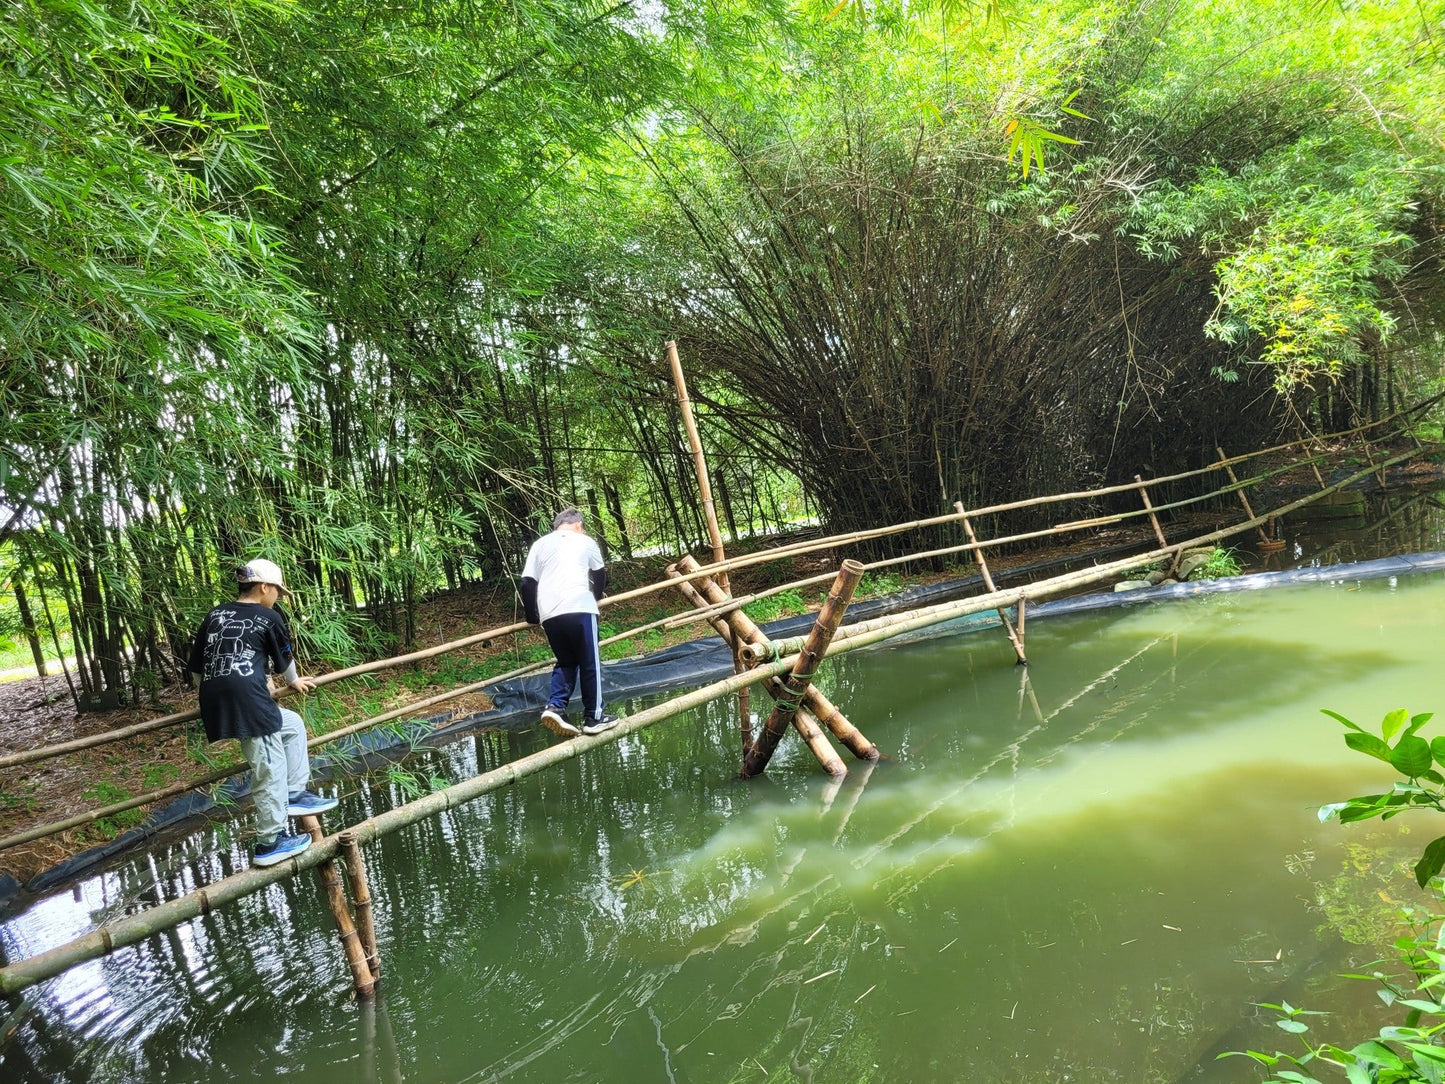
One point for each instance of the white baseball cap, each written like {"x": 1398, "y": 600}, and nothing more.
{"x": 261, "y": 571}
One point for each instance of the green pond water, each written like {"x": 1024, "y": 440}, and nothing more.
{"x": 1089, "y": 877}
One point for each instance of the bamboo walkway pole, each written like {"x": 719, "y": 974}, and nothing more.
{"x": 361, "y": 897}
{"x": 755, "y": 762}
{"x": 1014, "y": 636}
{"x": 23, "y": 974}
{"x": 361, "y": 975}
{"x": 823, "y": 709}
{"x": 704, "y": 487}
{"x": 803, "y": 722}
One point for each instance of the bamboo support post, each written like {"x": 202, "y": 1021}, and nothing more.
{"x": 1248, "y": 511}
{"x": 709, "y": 508}
{"x": 805, "y": 724}
{"x": 361, "y": 899}
{"x": 361, "y": 975}
{"x": 755, "y": 761}
{"x": 21, "y": 974}
{"x": 823, "y": 709}
{"x": 1014, "y": 636}
{"x": 1149, "y": 507}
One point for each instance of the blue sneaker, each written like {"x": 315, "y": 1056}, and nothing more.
{"x": 279, "y": 849}
{"x": 307, "y": 804}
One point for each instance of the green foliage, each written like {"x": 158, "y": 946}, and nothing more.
{"x": 106, "y": 793}
{"x": 783, "y": 604}
{"x": 1413, "y": 1050}
{"x": 1222, "y": 563}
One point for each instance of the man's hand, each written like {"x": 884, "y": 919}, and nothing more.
{"x": 303, "y": 684}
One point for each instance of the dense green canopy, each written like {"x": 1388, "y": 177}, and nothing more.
{"x": 370, "y": 289}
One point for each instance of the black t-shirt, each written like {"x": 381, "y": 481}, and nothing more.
{"x": 235, "y": 643}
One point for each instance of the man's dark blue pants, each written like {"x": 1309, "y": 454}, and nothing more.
{"x": 573, "y": 638}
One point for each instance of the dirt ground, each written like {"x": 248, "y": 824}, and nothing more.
{"x": 38, "y": 712}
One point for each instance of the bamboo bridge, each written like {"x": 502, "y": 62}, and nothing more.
{"x": 783, "y": 669}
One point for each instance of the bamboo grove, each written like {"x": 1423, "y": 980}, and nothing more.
{"x": 371, "y": 289}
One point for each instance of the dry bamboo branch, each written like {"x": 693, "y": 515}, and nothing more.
{"x": 1008, "y": 626}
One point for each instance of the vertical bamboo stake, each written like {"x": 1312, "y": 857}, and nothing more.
{"x": 361, "y": 898}
{"x": 345, "y": 927}
{"x": 1008, "y": 626}
{"x": 755, "y": 761}
{"x": 746, "y": 631}
{"x": 1248, "y": 511}
{"x": 699, "y": 462}
{"x": 804, "y": 723}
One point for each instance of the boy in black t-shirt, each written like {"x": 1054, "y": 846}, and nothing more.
{"x": 237, "y": 645}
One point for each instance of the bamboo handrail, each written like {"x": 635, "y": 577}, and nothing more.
{"x": 763, "y": 557}
{"x": 22, "y": 974}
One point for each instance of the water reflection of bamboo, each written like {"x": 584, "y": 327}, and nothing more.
{"x": 380, "y": 1061}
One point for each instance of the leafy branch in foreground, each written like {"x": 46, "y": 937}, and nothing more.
{"x": 1415, "y": 1049}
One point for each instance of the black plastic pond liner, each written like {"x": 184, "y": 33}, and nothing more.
{"x": 688, "y": 665}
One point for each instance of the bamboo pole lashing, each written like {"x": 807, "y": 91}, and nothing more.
{"x": 1008, "y": 626}
{"x": 22, "y": 974}
{"x": 776, "y": 553}
{"x": 361, "y": 975}
{"x": 356, "y": 877}
{"x": 799, "y": 679}
{"x": 823, "y": 709}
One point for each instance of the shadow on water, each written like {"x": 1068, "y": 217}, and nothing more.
{"x": 1085, "y": 870}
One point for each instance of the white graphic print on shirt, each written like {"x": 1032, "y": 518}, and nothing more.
{"x": 226, "y": 654}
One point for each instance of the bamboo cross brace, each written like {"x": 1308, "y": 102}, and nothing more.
{"x": 746, "y": 631}
{"x": 755, "y": 761}
{"x": 1013, "y": 634}
{"x": 804, "y": 723}
{"x": 1248, "y": 511}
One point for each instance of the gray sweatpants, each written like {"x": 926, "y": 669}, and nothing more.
{"x": 279, "y": 769}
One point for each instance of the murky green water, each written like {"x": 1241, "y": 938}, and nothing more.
{"x": 1089, "y": 877}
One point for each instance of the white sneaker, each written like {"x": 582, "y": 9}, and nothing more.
{"x": 557, "y": 723}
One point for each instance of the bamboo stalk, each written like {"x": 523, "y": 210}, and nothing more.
{"x": 23, "y": 974}
{"x": 361, "y": 975}
{"x": 1008, "y": 626}
{"x": 699, "y": 462}
{"x": 361, "y": 897}
{"x": 785, "y": 709}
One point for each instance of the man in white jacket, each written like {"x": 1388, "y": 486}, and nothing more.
{"x": 562, "y": 582}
